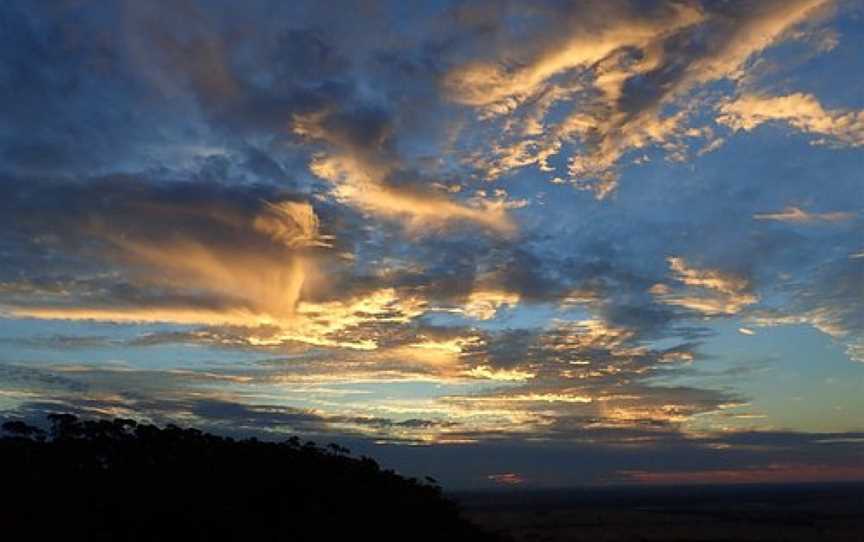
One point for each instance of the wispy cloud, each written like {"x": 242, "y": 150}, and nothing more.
{"x": 363, "y": 168}
{"x": 800, "y": 216}
{"x": 800, "y": 111}
{"x": 712, "y": 292}
{"x": 627, "y": 75}
{"x": 831, "y": 302}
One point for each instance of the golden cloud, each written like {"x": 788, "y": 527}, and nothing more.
{"x": 499, "y": 89}
{"x": 589, "y": 66}
{"x": 484, "y": 304}
{"x": 263, "y": 274}
{"x": 360, "y": 183}
{"x": 711, "y": 292}
{"x": 360, "y": 173}
{"x": 801, "y": 111}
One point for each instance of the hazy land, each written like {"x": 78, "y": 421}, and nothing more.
{"x": 725, "y": 513}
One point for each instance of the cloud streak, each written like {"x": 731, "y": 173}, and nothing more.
{"x": 802, "y": 112}
{"x": 712, "y": 292}
{"x": 799, "y": 216}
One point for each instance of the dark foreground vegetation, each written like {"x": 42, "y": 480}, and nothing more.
{"x": 120, "y": 480}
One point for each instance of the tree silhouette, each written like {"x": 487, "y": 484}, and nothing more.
{"x": 121, "y": 480}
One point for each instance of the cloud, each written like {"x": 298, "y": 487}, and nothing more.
{"x": 799, "y": 216}
{"x": 253, "y": 265}
{"x": 340, "y": 323}
{"x": 243, "y": 269}
{"x": 773, "y": 473}
{"x": 27, "y": 378}
{"x": 507, "y": 479}
{"x": 360, "y": 183}
{"x": 308, "y": 83}
{"x": 292, "y": 223}
{"x": 629, "y": 74}
{"x": 363, "y": 172}
{"x": 195, "y": 397}
{"x": 800, "y": 111}
{"x": 188, "y": 253}
{"x": 711, "y": 292}
{"x": 500, "y": 87}
{"x": 830, "y": 301}
{"x": 489, "y": 373}
{"x": 484, "y": 304}
{"x": 580, "y": 375}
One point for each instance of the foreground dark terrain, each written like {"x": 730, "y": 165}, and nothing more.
{"x": 720, "y": 513}
{"x": 119, "y": 480}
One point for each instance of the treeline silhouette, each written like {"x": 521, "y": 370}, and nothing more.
{"x": 122, "y": 480}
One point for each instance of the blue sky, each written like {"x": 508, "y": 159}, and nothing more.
{"x": 547, "y": 243}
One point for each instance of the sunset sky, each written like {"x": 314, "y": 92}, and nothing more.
{"x": 543, "y": 243}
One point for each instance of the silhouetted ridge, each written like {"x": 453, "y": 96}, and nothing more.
{"x": 120, "y": 480}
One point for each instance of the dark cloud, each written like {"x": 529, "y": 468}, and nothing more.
{"x": 22, "y": 377}
{"x": 64, "y": 342}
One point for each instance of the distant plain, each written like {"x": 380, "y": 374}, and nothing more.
{"x": 696, "y": 513}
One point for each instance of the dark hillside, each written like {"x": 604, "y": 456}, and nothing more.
{"x": 119, "y": 480}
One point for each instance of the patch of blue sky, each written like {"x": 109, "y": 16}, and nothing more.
{"x": 93, "y": 343}
{"x": 798, "y": 377}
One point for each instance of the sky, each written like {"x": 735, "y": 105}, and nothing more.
{"x": 502, "y": 243}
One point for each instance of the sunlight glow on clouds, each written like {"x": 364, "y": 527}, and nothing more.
{"x": 801, "y": 111}
{"x": 597, "y": 64}
{"x": 359, "y": 173}
{"x": 712, "y": 292}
